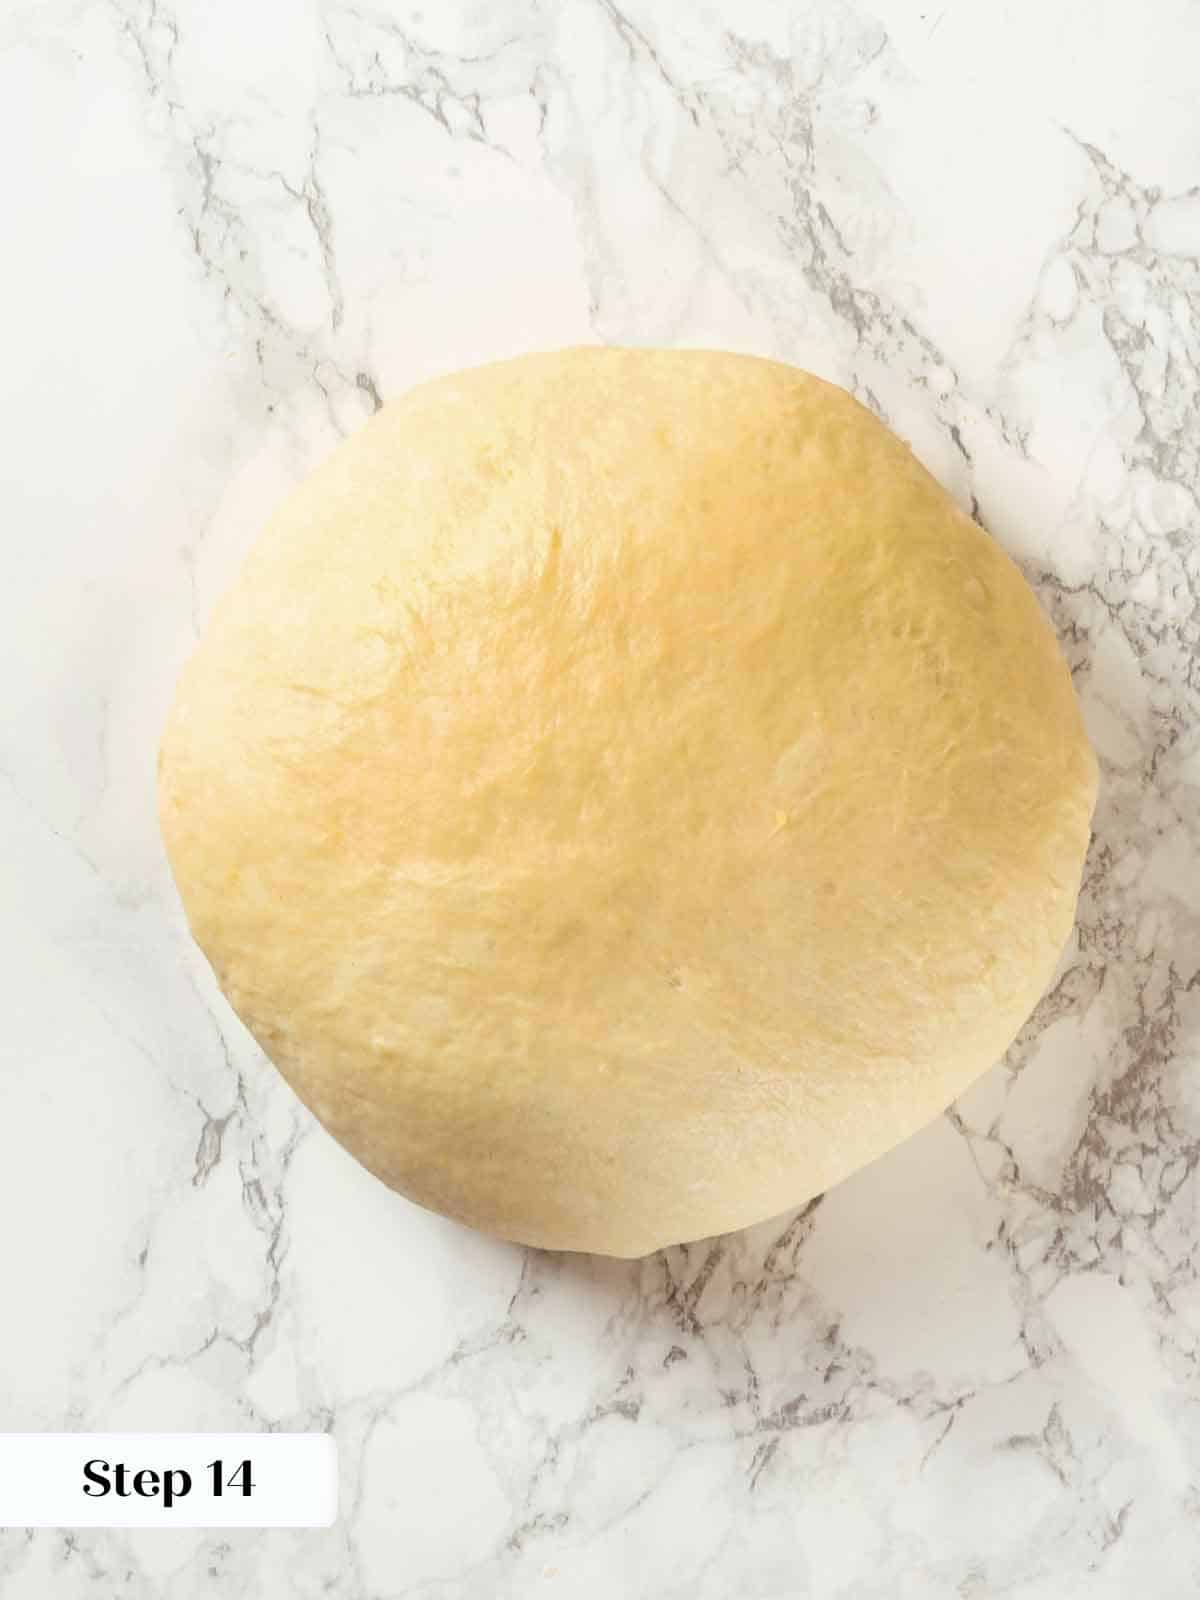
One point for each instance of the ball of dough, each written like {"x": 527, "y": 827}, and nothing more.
{"x": 624, "y": 795}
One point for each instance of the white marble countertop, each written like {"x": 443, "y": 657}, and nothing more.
{"x": 971, "y": 1371}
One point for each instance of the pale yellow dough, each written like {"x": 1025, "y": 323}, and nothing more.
{"x": 624, "y": 794}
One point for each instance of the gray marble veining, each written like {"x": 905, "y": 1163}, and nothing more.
{"x": 971, "y": 1371}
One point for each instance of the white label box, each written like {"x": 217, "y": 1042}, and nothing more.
{"x": 168, "y": 1480}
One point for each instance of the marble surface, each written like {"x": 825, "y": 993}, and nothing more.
{"x": 972, "y": 1370}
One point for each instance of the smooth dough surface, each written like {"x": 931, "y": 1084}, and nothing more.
{"x": 624, "y": 795}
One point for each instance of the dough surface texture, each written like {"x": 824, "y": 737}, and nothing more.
{"x": 623, "y": 794}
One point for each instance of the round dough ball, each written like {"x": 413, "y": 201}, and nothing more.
{"x": 624, "y": 794}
